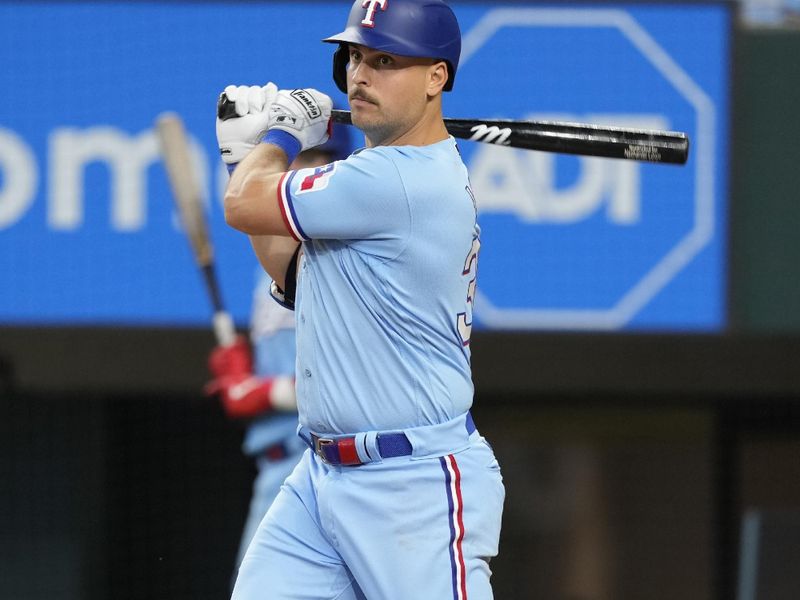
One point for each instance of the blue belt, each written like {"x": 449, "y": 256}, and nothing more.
{"x": 341, "y": 451}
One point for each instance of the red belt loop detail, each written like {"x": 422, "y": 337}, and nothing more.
{"x": 347, "y": 451}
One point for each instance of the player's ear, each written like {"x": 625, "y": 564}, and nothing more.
{"x": 437, "y": 77}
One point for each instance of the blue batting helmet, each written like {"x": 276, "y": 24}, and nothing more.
{"x": 421, "y": 28}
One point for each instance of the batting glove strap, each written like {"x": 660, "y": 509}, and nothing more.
{"x": 285, "y": 141}
{"x": 303, "y": 113}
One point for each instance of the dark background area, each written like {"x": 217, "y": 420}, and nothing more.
{"x": 629, "y": 460}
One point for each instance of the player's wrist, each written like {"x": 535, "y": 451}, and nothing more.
{"x": 285, "y": 141}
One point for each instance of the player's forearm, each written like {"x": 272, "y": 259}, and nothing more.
{"x": 251, "y": 201}
{"x": 274, "y": 253}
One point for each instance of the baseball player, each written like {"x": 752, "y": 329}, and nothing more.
{"x": 398, "y": 496}
{"x": 246, "y": 389}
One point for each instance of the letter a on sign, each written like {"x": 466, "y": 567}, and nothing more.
{"x": 371, "y": 6}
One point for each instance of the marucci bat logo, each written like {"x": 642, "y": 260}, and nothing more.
{"x": 491, "y": 135}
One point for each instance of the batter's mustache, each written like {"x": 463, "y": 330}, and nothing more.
{"x": 362, "y": 96}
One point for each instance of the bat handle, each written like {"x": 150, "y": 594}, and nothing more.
{"x": 227, "y": 110}
{"x": 341, "y": 116}
{"x": 224, "y": 330}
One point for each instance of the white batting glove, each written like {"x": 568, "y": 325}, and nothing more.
{"x": 237, "y": 136}
{"x": 304, "y": 114}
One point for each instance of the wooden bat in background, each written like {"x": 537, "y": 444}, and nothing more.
{"x": 186, "y": 193}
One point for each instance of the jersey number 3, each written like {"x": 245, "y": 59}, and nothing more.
{"x": 470, "y": 268}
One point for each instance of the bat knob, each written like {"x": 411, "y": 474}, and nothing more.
{"x": 225, "y": 108}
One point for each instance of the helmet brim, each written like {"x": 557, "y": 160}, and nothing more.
{"x": 382, "y": 42}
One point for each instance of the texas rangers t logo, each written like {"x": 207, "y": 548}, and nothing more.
{"x": 372, "y": 6}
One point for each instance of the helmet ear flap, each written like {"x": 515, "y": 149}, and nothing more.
{"x": 340, "y": 59}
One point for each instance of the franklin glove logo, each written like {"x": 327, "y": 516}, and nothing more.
{"x": 308, "y": 103}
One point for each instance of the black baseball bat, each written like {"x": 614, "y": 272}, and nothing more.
{"x": 568, "y": 138}
{"x": 584, "y": 139}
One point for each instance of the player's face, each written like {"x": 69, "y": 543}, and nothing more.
{"x": 388, "y": 93}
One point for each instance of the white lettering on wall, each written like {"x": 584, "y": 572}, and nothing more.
{"x": 20, "y": 177}
{"x": 127, "y": 159}
{"x": 524, "y": 183}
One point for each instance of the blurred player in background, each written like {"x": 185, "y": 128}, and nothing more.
{"x": 249, "y": 382}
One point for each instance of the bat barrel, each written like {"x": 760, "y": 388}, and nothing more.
{"x": 186, "y": 192}
{"x": 577, "y": 138}
{"x": 569, "y": 138}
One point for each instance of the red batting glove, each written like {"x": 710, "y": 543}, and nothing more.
{"x": 229, "y": 361}
{"x": 243, "y": 396}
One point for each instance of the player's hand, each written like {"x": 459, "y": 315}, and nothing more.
{"x": 238, "y": 136}
{"x": 246, "y": 396}
{"x": 243, "y": 396}
{"x": 238, "y": 389}
{"x": 305, "y": 114}
{"x": 231, "y": 361}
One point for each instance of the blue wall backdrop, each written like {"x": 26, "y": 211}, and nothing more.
{"x": 88, "y": 234}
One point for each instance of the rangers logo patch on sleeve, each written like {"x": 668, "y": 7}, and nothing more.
{"x": 316, "y": 179}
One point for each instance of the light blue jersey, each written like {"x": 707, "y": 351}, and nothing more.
{"x": 385, "y": 288}
{"x": 400, "y": 497}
